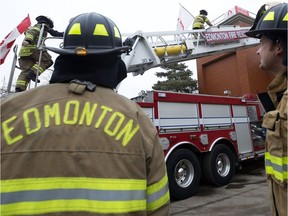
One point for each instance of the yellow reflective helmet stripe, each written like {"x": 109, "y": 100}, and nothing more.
{"x": 75, "y": 29}
{"x": 158, "y": 194}
{"x": 47, "y": 195}
{"x": 269, "y": 16}
{"x": 117, "y": 34}
{"x": 276, "y": 166}
{"x": 100, "y": 30}
{"x": 285, "y": 17}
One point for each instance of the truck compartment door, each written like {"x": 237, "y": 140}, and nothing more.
{"x": 243, "y": 130}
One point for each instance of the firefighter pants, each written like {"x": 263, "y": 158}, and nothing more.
{"x": 278, "y": 198}
{"x": 28, "y": 63}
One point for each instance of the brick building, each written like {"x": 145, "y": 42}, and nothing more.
{"x": 237, "y": 71}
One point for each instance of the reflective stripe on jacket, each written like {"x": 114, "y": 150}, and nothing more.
{"x": 199, "y": 22}
{"x": 31, "y": 35}
{"x": 46, "y": 195}
{"x": 27, "y": 50}
{"x": 277, "y": 167}
{"x": 276, "y": 157}
{"x": 92, "y": 153}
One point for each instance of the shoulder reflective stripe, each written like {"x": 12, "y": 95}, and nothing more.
{"x": 104, "y": 195}
{"x": 52, "y": 183}
{"x": 276, "y": 166}
{"x": 33, "y": 208}
{"x": 158, "y": 194}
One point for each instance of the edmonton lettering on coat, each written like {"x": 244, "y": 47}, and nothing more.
{"x": 113, "y": 123}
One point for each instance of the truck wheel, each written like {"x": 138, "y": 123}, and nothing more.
{"x": 219, "y": 165}
{"x": 184, "y": 173}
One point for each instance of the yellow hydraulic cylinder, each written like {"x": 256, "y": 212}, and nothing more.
{"x": 170, "y": 50}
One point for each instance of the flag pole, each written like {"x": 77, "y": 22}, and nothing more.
{"x": 12, "y": 69}
{"x": 186, "y": 9}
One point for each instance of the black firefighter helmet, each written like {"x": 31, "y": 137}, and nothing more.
{"x": 204, "y": 12}
{"x": 273, "y": 24}
{"x": 272, "y": 21}
{"x": 91, "y": 33}
{"x": 44, "y": 19}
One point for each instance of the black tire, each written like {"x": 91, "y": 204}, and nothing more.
{"x": 184, "y": 173}
{"x": 219, "y": 165}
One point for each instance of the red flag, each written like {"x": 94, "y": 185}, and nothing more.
{"x": 9, "y": 40}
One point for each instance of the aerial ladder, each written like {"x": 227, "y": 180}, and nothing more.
{"x": 154, "y": 49}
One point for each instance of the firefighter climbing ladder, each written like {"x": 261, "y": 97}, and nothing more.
{"x": 155, "y": 49}
{"x": 40, "y": 46}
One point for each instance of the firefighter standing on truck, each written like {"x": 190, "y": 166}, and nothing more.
{"x": 201, "y": 19}
{"x": 75, "y": 145}
{"x": 29, "y": 54}
{"x": 272, "y": 32}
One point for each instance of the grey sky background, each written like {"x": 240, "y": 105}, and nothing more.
{"x": 129, "y": 15}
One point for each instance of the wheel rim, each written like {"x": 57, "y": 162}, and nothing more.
{"x": 223, "y": 165}
{"x": 184, "y": 173}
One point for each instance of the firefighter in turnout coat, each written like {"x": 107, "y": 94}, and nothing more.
{"x": 271, "y": 29}
{"x": 29, "y": 54}
{"x": 75, "y": 146}
{"x": 201, "y": 19}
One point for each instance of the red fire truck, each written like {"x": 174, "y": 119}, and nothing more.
{"x": 204, "y": 135}
{"x": 201, "y": 135}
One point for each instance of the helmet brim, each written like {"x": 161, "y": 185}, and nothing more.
{"x": 259, "y": 33}
{"x": 254, "y": 34}
{"x": 89, "y": 51}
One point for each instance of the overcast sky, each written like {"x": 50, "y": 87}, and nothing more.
{"x": 129, "y": 15}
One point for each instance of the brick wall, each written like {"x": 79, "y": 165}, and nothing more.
{"x": 235, "y": 71}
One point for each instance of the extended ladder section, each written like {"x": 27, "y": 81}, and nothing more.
{"x": 153, "y": 49}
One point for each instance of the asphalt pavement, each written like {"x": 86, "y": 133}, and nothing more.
{"x": 246, "y": 195}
